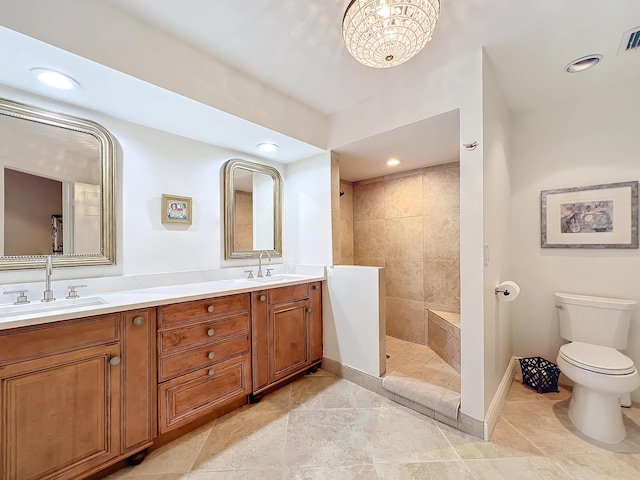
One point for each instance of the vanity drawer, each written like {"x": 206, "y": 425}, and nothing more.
{"x": 288, "y": 294}
{"x": 170, "y": 367}
{"x": 186, "y": 398}
{"x": 201, "y": 309}
{"x": 175, "y": 340}
{"x": 46, "y": 339}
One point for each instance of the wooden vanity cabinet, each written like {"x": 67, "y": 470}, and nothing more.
{"x": 204, "y": 358}
{"x": 72, "y": 399}
{"x": 286, "y": 333}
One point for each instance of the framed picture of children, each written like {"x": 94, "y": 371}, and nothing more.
{"x": 176, "y": 209}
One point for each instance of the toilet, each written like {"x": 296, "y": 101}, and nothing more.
{"x": 598, "y": 329}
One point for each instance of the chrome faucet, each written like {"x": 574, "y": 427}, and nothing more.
{"x": 260, "y": 262}
{"x": 48, "y": 269}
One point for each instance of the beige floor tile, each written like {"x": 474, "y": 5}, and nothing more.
{"x": 272, "y": 474}
{"x": 600, "y": 467}
{"x": 278, "y": 401}
{"x": 521, "y": 393}
{"x": 357, "y": 472}
{"x": 423, "y": 471}
{"x": 505, "y": 442}
{"x": 128, "y": 474}
{"x": 455, "y": 384}
{"x": 531, "y": 468}
{"x": 175, "y": 457}
{"x": 325, "y": 438}
{"x": 426, "y": 372}
{"x": 252, "y": 440}
{"x": 410, "y": 367}
{"x": 401, "y": 437}
{"x": 547, "y": 425}
{"x": 364, "y": 398}
{"x": 321, "y": 392}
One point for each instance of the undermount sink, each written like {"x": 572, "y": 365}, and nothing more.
{"x": 45, "y": 307}
{"x": 282, "y": 277}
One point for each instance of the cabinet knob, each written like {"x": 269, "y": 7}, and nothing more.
{"x": 316, "y": 287}
{"x": 210, "y": 308}
{"x": 210, "y": 332}
{"x": 114, "y": 361}
{"x": 211, "y": 355}
{"x": 309, "y": 310}
{"x": 262, "y": 298}
{"x": 138, "y": 321}
{"x": 211, "y": 372}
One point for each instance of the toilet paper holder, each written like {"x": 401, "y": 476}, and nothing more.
{"x": 505, "y": 292}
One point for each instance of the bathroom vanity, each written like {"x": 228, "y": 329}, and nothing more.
{"x": 83, "y": 393}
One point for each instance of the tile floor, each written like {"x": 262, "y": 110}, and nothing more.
{"x": 321, "y": 427}
{"x": 420, "y": 361}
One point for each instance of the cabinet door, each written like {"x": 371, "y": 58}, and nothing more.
{"x": 288, "y": 339}
{"x": 59, "y": 414}
{"x": 139, "y": 379}
{"x": 316, "y": 321}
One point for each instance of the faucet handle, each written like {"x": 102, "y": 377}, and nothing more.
{"x": 250, "y": 272}
{"x": 22, "y": 297}
{"x": 72, "y": 291}
{"x": 268, "y": 274}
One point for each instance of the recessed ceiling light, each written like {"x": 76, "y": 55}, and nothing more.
{"x": 268, "y": 147}
{"x": 392, "y": 162}
{"x": 55, "y": 79}
{"x": 584, "y": 63}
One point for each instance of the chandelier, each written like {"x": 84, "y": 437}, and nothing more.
{"x": 386, "y": 33}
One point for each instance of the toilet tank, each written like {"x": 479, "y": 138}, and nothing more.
{"x": 595, "y": 320}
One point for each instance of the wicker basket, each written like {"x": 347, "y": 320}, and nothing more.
{"x": 540, "y": 374}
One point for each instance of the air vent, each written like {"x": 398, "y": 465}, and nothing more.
{"x": 630, "y": 41}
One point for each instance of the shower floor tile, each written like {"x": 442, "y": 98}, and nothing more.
{"x": 420, "y": 361}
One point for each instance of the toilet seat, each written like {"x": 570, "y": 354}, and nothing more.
{"x": 596, "y": 358}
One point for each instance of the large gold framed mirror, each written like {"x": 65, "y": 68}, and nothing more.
{"x": 252, "y": 209}
{"x": 57, "y": 176}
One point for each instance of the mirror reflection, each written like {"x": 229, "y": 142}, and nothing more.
{"x": 56, "y": 180}
{"x": 252, "y": 210}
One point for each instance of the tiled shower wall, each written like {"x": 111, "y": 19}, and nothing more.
{"x": 408, "y": 223}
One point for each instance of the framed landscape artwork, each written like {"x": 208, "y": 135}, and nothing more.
{"x": 595, "y": 216}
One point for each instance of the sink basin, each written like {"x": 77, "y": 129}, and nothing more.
{"x": 46, "y": 307}
{"x": 283, "y": 277}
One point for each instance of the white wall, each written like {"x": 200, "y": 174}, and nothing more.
{"x": 101, "y": 32}
{"x": 586, "y": 143}
{"x": 354, "y": 318}
{"x": 150, "y": 163}
{"x": 307, "y": 206}
{"x": 497, "y": 225}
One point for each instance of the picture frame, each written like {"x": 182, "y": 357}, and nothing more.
{"x": 594, "y": 216}
{"x": 176, "y": 209}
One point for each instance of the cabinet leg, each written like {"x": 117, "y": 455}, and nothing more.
{"x": 313, "y": 369}
{"x": 137, "y": 458}
{"x": 254, "y": 397}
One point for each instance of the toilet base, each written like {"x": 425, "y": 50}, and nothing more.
{"x": 597, "y": 414}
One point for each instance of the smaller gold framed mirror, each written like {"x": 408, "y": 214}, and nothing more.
{"x": 252, "y": 209}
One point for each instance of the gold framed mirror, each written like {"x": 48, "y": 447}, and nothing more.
{"x": 252, "y": 209}
{"x": 57, "y": 189}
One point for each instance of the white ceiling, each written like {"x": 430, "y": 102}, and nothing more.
{"x": 296, "y": 48}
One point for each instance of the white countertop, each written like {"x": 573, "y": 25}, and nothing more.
{"x": 35, "y": 313}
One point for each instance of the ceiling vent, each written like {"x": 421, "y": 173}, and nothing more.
{"x": 630, "y": 41}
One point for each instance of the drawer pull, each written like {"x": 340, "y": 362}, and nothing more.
{"x": 316, "y": 287}
{"x": 211, "y": 308}
{"x": 114, "y": 361}
{"x": 211, "y": 372}
{"x": 262, "y": 298}
{"x": 309, "y": 310}
{"x": 211, "y": 355}
{"x": 210, "y": 332}
{"x": 138, "y": 321}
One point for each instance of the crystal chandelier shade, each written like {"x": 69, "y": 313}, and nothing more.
{"x": 386, "y": 33}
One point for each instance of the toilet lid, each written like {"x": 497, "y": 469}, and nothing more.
{"x": 597, "y": 359}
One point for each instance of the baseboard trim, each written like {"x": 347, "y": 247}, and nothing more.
{"x": 499, "y": 398}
